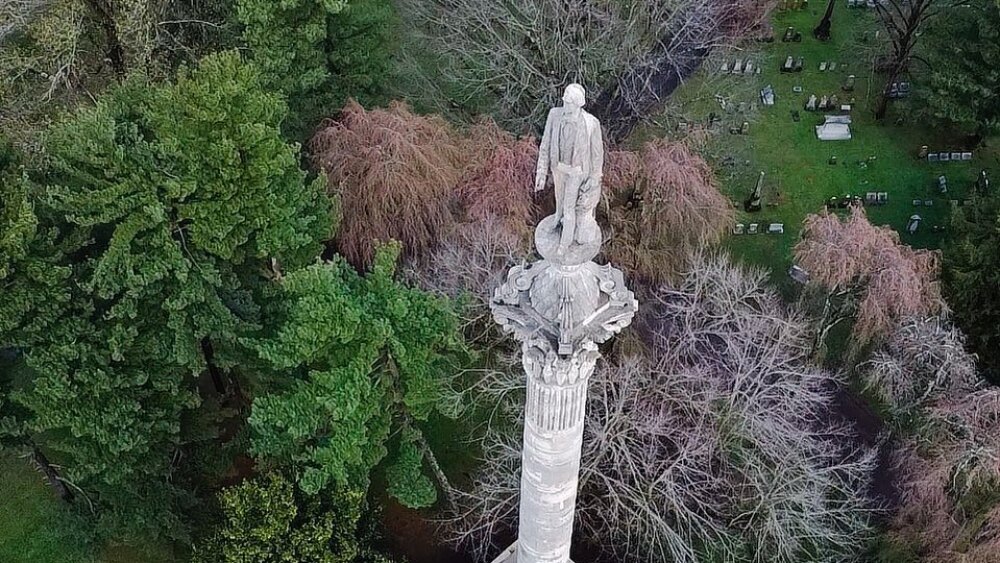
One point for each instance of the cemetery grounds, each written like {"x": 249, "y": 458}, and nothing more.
{"x": 799, "y": 176}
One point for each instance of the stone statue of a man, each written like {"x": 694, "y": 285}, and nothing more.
{"x": 572, "y": 148}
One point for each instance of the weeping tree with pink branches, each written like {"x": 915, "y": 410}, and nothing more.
{"x": 717, "y": 443}
{"x": 661, "y": 203}
{"x": 866, "y": 275}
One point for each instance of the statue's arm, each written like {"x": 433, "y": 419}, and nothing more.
{"x": 542, "y": 169}
{"x": 597, "y": 152}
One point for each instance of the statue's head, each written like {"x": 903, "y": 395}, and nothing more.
{"x": 575, "y": 95}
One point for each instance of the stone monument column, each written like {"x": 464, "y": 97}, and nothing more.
{"x": 560, "y": 308}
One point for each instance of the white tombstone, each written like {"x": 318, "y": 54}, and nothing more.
{"x": 560, "y": 308}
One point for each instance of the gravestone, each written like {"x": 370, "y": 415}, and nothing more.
{"x": 767, "y": 96}
{"x": 832, "y": 161}
{"x": 917, "y": 202}
{"x": 789, "y": 34}
{"x": 849, "y": 83}
{"x": 798, "y": 64}
{"x": 923, "y": 152}
{"x": 738, "y": 229}
{"x": 832, "y": 67}
{"x": 944, "y": 156}
{"x": 797, "y": 89}
{"x": 752, "y": 229}
{"x": 776, "y": 228}
{"x": 983, "y": 183}
{"x": 942, "y": 184}
{"x": 928, "y": 202}
{"x": 737, "y": 67}
{"x": 824, "y": 103}
{"x": 753, "y": 203}
{"x": 789, "y": 65}
{"x": 883, "y": 198}
{"x": 795, "y": 116}
{"x": 748, "y": 69}
{"x": 725, "y": 67}
{"x": 913, "y": 224}
{"x": 811, "y": 104}
{"x": 933, "y": 157}
{"x": 742, "y": 107}
{"x": 798, "y": 274}
{"x": 822, "y": 66}
{"x": 834, "y": 102}
{"x": 966, "y": 156}
{"x": 956, "y": 156}
{"x": 871, "y": 198}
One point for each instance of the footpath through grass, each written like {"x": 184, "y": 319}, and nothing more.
{"x": 799, "y": 179}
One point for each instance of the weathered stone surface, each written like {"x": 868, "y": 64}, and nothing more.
{"x": 560, "y": 308}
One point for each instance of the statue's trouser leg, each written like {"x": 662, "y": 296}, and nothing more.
{"x": 559, "y": 183}
{"x": 571, "y": 192}
{"x": 553, "y": 437}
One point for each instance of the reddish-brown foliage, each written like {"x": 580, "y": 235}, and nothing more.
{"x": 499, "y": 181}
{"x": 949, "y": 511}
{"x": 663, "y": 202}
{"x": 892, "y": 280}
{"x": 393, "y": 172}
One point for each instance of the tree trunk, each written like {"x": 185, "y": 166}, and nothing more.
{"x": 443, "y": 483}
{"x": 823, "y": 30}
{"x": 50, "y": 473}
{"x": 218, "y": 378}
{"x": 882, "y": 104}
{"x": 115, "y": 51}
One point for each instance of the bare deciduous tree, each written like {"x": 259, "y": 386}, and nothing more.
{"x": 869, "y": 275}
{"x": 923, "y": 361}
{"x": 662, "y": 203}
{"x": 467, "y": 265}
{"x": 523, "y": 52}
{"x": 719, "y": 442}
{"x": 904, "y": 22}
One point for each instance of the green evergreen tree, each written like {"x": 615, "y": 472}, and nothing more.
{"x": 320, "y": 52}
{"x": 181, "y": 200}
{"x": 972, "y": 277}
{"x": 963, "y": 51}
{"x": 366, "y": 356}
{"x": 265, "y": 520}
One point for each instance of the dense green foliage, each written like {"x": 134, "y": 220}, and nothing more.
{"x": 963, "y": 50}
{"x": 267, "y": 521}
{"x": 319, "y": 52}
{"x": 366, "y": 355}
{"x": 176, "y": 197}
{"x": 972, "y": 277}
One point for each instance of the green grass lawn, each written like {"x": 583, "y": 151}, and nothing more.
{"x": 799, "y": 177}
{"x": 35, "y": 526}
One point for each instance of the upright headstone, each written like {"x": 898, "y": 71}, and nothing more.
{"x": 913, "y": 224}
{"x": 753, "y": 203}
{"x": 849, "y": 83}
{"x": 811, "y": 104}
{"x": 560, "y": 308}
{"x": 983, "y": 183}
